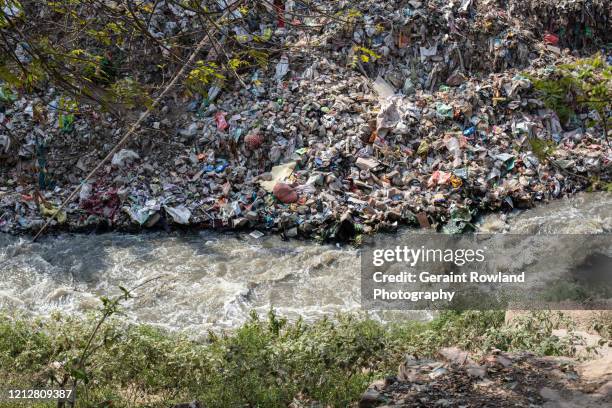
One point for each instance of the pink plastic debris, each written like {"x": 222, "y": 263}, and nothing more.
{"x": 220, "y": 121}
{"x": 439, "y": 178}
{"x": 551, "y": 39}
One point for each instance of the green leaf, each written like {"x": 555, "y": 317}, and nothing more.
{"x": 79, "y": 374}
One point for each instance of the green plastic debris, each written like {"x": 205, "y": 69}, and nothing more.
{"x": 236, "y": 134}
{"x": 460, "y": 221}
{"x": 460, "y": 214}
{"x": 6, "y": 96}
{"x": 267, "y": 34}
{"x": 50, "y": 210}
{"x": 444, "y": 110}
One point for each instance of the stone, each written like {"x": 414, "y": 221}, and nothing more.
{"x": 476, "y": 371}
{"x": 549, "y": 394}
{"x": 438, "y": 372}
{"x": 455, "y": 355}
{"x": 505, "y": 362}
{"x": 597, "y": 369}
{"x": 605, "y": 390}
{"x": 370, "y": 399}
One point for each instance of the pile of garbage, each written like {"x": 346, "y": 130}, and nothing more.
{"x": 500, "y": 379}
{"x": 372, "y": 116}
{"x": 458, "y": 378}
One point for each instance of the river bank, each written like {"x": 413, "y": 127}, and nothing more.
{"x": 270, "y": 362}
{"x": 426, "y": 116}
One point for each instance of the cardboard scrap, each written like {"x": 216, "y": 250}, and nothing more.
{"x": 279, "y": 174}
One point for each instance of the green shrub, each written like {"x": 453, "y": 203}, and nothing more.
{"x": 264, "y": 363}
{"x": 584, "y": 85}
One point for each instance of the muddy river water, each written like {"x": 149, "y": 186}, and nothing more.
{"x": 208, "y": 280}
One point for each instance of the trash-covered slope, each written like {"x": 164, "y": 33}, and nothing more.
{"x": 365, "y": 117}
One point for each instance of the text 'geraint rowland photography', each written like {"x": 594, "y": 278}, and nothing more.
{"x": 478, "y": 272}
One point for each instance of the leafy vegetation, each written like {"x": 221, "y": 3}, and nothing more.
{"x": 107, "y": 53}
{"x": 583, "y": 86}
{"x": 363, "y": 54}
{"x": 543, "y": 149}
{"x": 266, "y": 362}
{"x": 202, "y": 75}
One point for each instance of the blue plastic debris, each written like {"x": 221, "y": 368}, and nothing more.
{"x": 469, "y": 131}
{"x": 221, "y": 165}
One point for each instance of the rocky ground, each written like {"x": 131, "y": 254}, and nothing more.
{"x": 414, "y": 112}
{"x": 497, "y": 379}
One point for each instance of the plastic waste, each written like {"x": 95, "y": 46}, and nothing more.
{"x": 66, "y": 122}
{"x": 285, "y": 193}
{"x": 85, "y": 192}
{"x": 278, "y": 174}
{"x": 460, "y": 221}
{"x": 253, "y": 141}
{"x": 551, "y": 39}
{"x": 282, "y": 68}
{"x": 180, "y": 214}
{"x": 220, "y": 121}
{"x": 256, "y": 234}
{"x": 50, "y": 210}
{"x": 141, "y": 213}
{"x": 124, "y": 157}
{"x": 444, "y": 110}
{"x": 5, "y": 143}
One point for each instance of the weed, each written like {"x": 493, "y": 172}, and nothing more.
{"x": 266, "y": 362}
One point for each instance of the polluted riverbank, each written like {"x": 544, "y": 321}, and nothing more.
{"x": 313, "y": 131}
{"x": 208, "y": 280}
{"x": 428, "y": 115}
